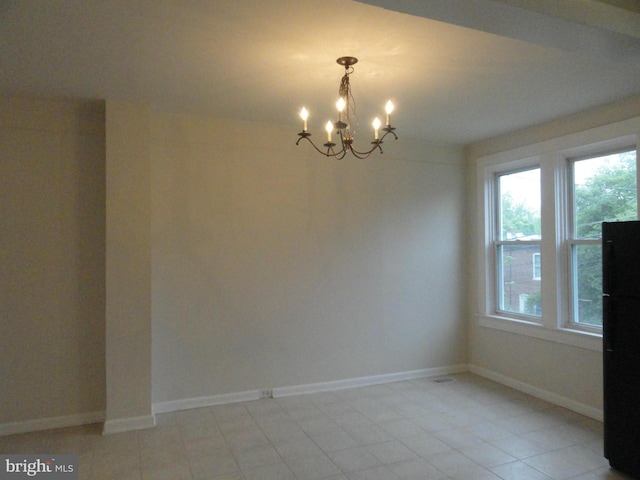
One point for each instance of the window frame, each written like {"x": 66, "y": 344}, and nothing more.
{"x": 552, "y": 157}
{"x": 571, "y": 322}
{"x": 573, "y": 240}
{"x": 499, "y": 242}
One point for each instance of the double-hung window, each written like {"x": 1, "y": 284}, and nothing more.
{"x": 542, "y": 207}
{"x": 517, "y": 244}
{"x": 603, "y": 188}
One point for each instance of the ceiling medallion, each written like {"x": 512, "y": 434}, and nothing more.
{"x": 344, "y": 128}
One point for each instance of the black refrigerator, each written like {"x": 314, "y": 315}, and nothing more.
{"x": 621, "y": 344}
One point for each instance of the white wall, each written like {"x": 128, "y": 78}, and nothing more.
{"x": 569, "y": 375}
{"x": 270, "y": 265}
{"x": 274, "y": 266}
{"x": 52, "y": 247}
{"x": 267, "y": 265}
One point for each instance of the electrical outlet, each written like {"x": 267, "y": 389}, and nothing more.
{"x": 266, "y": 393}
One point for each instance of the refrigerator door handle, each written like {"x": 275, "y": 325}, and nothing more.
{"x": 608, "y": 280}
{"x": 609, "y": 326}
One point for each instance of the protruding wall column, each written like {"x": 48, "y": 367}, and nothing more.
{"x": 128, "y": 267}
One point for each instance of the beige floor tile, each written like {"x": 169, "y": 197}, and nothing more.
{"x": 487, "y": 455}
{"x": 391, "y": 452}
{"x": 467, "y": 429}
{"x": 354, "y": 459}
{"x": 519, "y": 471}
{"x": 416, "y": 469}
{"x": 220, "y": 462}
{"x": 174, "y": 470}
{"x": 313, "y": 468}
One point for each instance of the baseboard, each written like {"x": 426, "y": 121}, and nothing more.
{"x": 51, "y": 423}
{"x": 128, "y": 424}
{"x": 148, "y": 421}
{"x": 209, "y": 401}
{"x": 366, "y": 381}
{"x": 540, "y": 393}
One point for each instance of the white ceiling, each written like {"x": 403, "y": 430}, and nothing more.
{"x": 458, "y": 70}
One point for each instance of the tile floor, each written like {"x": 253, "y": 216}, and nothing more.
{"x": 466, "y": 429}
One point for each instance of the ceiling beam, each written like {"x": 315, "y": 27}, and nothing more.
{"x": 587, "y": 27}
{"x": 594, "y": 13}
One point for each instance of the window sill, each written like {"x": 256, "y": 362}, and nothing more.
{"x": 575, "y": 338}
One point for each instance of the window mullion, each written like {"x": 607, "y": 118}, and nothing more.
{"x": 553, "y": 194}
{"x": 564, "y": 233}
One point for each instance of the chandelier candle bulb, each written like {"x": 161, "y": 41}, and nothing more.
{"x": 376, "y": 128}
{"x": 304, "y": 115}
{"x": 328, "y": 127}
{"x": 389, "y": 109}
{"x": 340, "y": 107}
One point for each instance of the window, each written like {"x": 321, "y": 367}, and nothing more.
{"x": 542, "y": 207}
{"x": 517, "y": 242}
{"x": 603, "y": 188}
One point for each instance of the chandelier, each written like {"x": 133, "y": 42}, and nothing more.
{"x": 344, "y": 128}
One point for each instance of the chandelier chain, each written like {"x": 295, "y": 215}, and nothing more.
{"x": 350, "y": 103}
{"x": 345, "y": 88}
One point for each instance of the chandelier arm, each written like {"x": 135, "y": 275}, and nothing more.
{"x": 341, "y": 154}
{"x": 306, "y": 136}
{"x": 359, "y": 155}
{"x": 346, "y": 146}
{"x": 377, "y": 144}
{"x": 387, "y": 131}
{"x": 365, "y": 154}
{"x": 336, "y": 155}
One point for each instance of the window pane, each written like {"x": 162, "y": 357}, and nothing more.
{"x": 519, "y": 205}
{"x": 587, "y": 296}
{"x": 604, "y": 190}
{"x": 519, "y": 288}
{"x": 537, "y": 266}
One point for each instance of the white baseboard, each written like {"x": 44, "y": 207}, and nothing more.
{"x": 209, "y": 401}
{"x": 366, "y": 381}
{"x": 551, "y": 397}
{"x": 128, "y": 424}
{"x": 40, "y": 424}
{"x": 199, "y": 402}
{"x": 148, "y": 421}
